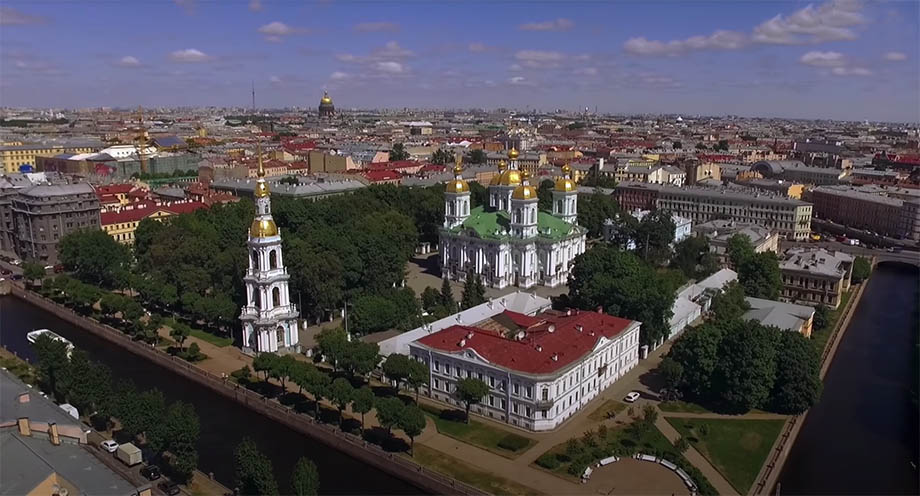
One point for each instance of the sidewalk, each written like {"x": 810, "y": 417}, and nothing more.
{"x": 699, "y": 461}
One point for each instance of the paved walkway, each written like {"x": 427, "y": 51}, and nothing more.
{"x": 697, "y": 459}
{"x": 746, "y": 416}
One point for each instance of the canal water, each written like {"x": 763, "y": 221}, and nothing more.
{"x": 223, "y": 422}
{"x": 861, "y": 438}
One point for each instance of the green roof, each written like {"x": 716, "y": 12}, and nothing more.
{"x": 489, "y": 224}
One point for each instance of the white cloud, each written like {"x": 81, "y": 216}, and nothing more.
{"x": 129, "y": 61}
{"x": 255, "y": 5}
{"x": 477, "y": 47}
{"x": 540, "y": 59}
{"x": 851, "y": 71}
{"x": 189, "y": 55}
{"x": 390, "y": 67}
{"x": 391, "y": 50}
{"x": 519, "y": 81}
{"x": 560, "y": 24}
{"x": 12, "y": 17}
{"x": 658, "y": 81}
{"x": 274, "y": 80}
{"x": 276, "y": 31}
{"x": 823, "y": 59}
{"x": 373, "y": 27}
{"x": 831, "y": 21}
{"x": 587, "y": 71}
{"x": 338, "y": 76}
{"x": 895, "y": 56}
{"x": 719, "y": 40}
{"x": 515, "y": 67}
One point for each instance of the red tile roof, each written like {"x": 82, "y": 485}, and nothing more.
{"x": 572, "y": 337}
{"x": 113, "y": 189}
{"x": 140, "y": 212}
{"x": 381, "y": 175}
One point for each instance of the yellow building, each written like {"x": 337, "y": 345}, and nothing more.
{"x": 11, "y": 157}
{"x": 121, "y": 225}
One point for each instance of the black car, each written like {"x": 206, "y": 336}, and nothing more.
{"x": 170, "y": 488}
{"x": 151, "y": 472}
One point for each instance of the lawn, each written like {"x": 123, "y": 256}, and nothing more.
{"x": 462, "y": 471}
{"x": 737, "y": 448}
{"x": 682, "y": 407}
{"x": 487, "y": 437}
{"x": 819, "y": 337}
{"x": 608, "y": 409}
{"x": 211, "y": 338}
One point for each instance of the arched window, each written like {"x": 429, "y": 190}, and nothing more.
{"x": 279, "y": 335}
{"x": 257, "y": 298}
{"x": 255, "y": 261}
{"x": 559, "y": 206}
{"x": 272, "y": 260}
{"x": 276, "y": 297}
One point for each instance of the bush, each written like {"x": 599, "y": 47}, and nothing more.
{"x": 513, "y": 442}
{"x": 243, "y": 375}
{"x": 548, "y": 460}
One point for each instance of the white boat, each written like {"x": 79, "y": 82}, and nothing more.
{"x": 33, "y": 336}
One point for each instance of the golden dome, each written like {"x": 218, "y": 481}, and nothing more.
{"x": 263, "y": 228}
{"x": 565, "y": 183}
{"x": 457, "y": 186}
{"x": 261, "y": 189}
{"x": 524, "y": 192}
{"x": 513, "y": 153}
{"x": 325, "y": 99}
{"x": 497, "y": 178}
{"x": 502, "y": 165}
{"x": 510, "y": 178}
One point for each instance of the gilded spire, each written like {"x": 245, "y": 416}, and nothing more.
{"x": 259, "y": 153}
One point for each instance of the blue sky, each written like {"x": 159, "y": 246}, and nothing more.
{"x": 840, "y": 59}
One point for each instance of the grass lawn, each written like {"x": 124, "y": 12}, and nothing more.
{"x": 607, "y": 410}
{"x": 737, "y": 448}
{"x": 819, "y": 338}
{"x": 211, "y": 338}
{"x": 487, "y": 437}
{"x": 462, "y": 471}
{"x": 682, "y": 407}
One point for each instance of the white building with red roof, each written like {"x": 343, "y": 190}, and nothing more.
{"x": 540, "y": 369}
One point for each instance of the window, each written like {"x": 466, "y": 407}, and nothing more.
{"x": 516, "y": 388}
{"x": 491, "y": 400}
{"x": 447, "y": 368}
{"x": 514, "y": 407}
{"x": 437, "y": 366}
{"x": 437, "y": 384}
{"x": 479, "y": 376}
{"x": 528, "y": 412}
{"x": 491, "y": 381}
{"x": 545, "y": 394}
{"x": 528, "y": 392}
{"x": 503, "y": 403}
{"x": 544, "y": 413}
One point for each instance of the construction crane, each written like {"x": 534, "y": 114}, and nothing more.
{"x": 142, "y": 140}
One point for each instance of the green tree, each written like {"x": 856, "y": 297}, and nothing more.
{"x": 362, "y": 401}
{"x": 624, "y": 286}
{"x": 87, "y": 383}
{"x": 654, "y": 236}
{"x": 740, "y": 249}
{"x": 441, "y": 157}
{"x": 332, "y": 344}
{"x": 289, "y": 180}
{"x": 398, "y": 152}
{"x": 861, "y": 269}
{"x": 95, "y": 257}
{"x": 477, "y": 157}
{"x": 798, "y": 381}
{"x": 397, "y": 368}
{"x": 317, "y": 384}
{"x": 672, "y": 372}
{"x": 761, "y": 277}
{"x": 52, "y": 362}
{"x": 697, "y": 351}
{"x": 693, "y": 257}
{"x": 746, "y": 371}
{"x": 282, "y": 369}
{"x": 305, "y": 478}
{"x": 412, "y": 422}
{"x": 341, "y": 393}
{"x": 822, "y": 318}
{"x": 470, "y": 391}
{"x": 180, "y": 332}
{"x": 681, "y": 445}
{"x": 254, "y": 472}
{"x": 389, "y": 411}
{"x": 447, "y": 295}
{"x": 32, "y": 271}
{"x": 594, "y": 210}
{"x": 419, "y": 375}
{"x": 181, "y": 431}
{"x": 360, "y": 358}
{"x": 473, "y": 291}
{"x": 730, "y": 303}
{"x": 264, "y": 362}
{"x": 431, "y": 298}
{"x": 545, "y": 195}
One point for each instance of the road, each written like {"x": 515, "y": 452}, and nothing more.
{"x": 906, "y": 256}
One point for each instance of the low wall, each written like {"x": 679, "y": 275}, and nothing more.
{"x": 352, "y": 445}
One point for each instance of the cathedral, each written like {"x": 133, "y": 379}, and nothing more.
{"x": 510, "y": 241}
{"x": 269, "y": 319}
{"x": 326, "y": 107}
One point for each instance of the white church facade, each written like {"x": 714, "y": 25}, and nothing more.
{"x": 511, "y": 242}
{"x": 269, "y": 319}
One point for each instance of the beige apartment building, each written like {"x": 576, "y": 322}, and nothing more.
{"x": 13, "y": 156}
{"x": 815, "y": 276}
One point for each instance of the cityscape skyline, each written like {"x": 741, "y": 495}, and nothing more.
{"x": 836, "y": 60}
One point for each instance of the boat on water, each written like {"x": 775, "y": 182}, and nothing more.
{"x": 33, "y": 336}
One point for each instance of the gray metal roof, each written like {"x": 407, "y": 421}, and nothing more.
{"x": 45, "y": 190}
{"x": 786, "y": 316}
{"x": 818, "y": 261}
{"x": 712, "y": 193}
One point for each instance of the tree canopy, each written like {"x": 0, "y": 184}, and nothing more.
{"x": 862, "y": 267}
{"x": 693, "y": 257}
{"x": 254, "y": 472}
{"x": 593, "y": 210}
{"x": 95, "y": 257}
{"x": 398, "y": 152}
{"x": 470, "y": 391}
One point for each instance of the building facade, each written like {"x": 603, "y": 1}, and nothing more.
{"x": 12, "y": 157}
{"x": 540, "y": 370}
{"x": 863, "y": 209}
{"x": 719, "y": 232}
{"x": 268, "y": 318}
{"x": 121, "y": 223}
{"x": 815, "y": 276}
{"x": 40, "y": 215}
{"x": 510, "y": 242}
{"x": 789, "y": 217}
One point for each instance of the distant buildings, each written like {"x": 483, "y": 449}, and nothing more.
{"x": 871, "y": 209}
{"x": 34, "y": 218}
{"x": 719, "y": 232}
{"x": 789, "y": 217}
{"x": 14, "y": 156}
{"x": 795, "y": 171}
{"x": 815, "y": 276}
{"x": 121, "y": 223}
{"x": 695, "y": 299}
{"x": 540, "y": 369}
{"x": 326, "y": 107}
{"x": 307, "y": 188}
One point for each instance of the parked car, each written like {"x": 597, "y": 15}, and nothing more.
{"x": 170, "y": 488}
{"x": 151, "y": 472}
{"x": 109, "y": 445}
{"x": 16, "y": 261}
{"x": 58, "y": 268}
{"x": 5, "y": 272}
{"x": 632, "y": 397}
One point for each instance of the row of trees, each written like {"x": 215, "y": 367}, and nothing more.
{"x": 739, "y": 365}
{"x": 72, "y": 377}
{"x": 254, "y": 474}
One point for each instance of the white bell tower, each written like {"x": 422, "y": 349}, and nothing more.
{"x": 456, "y": 198}
{"x": 524, "y": 204}
{"x": 565, "y": 197}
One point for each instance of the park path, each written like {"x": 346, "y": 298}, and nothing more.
{"x": 720, "y": 416}
{"x": 699, "y": 461}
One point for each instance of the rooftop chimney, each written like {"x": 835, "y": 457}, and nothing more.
{"x": 53, "y": 433}
{"x": 579, "y": 327}
{"x": 25, "y": 429}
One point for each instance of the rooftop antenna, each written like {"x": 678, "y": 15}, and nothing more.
{"x": 253, "y": 96}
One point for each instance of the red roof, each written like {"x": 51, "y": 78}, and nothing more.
{"x": 141, "y": 212}
{"x": 399, "y": 164}
{"x": 113, "y": 189}
{"x": 572, "y": 337}
{"x": 381, "y": 175}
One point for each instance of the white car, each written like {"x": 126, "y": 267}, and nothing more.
{"x": 109, "y": 445}
{"x": 632, "y": 397}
